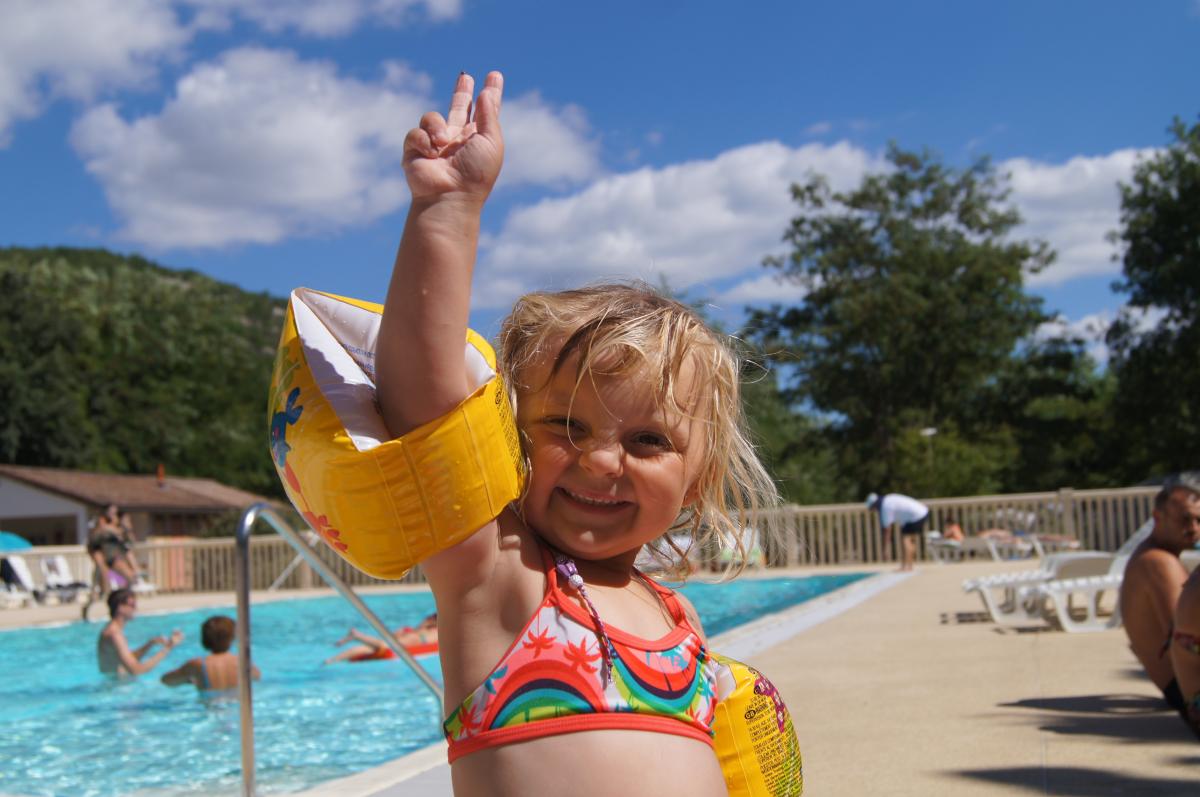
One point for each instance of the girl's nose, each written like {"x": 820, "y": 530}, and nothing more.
{"x": 602, "y": 459}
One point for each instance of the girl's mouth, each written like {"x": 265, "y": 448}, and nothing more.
{"x": 591, "y": 502}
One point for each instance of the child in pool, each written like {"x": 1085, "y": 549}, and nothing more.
{"x": 566, "y": 671}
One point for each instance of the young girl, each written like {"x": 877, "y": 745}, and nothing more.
{"x": 565, "y": 670}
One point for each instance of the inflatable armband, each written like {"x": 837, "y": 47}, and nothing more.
{"x": 753, "y": 735}
{"x": 383, "y": 504}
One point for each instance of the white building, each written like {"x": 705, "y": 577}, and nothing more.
{"x": 49, "y": 506}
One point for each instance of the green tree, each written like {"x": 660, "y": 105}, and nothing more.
{"x": 1158, "y": 369}
{"x": 115, "y": 364}
{"x": 914, "y": 300}
{"x": 793, "y": 446}
{"x": 1056, "y": 406}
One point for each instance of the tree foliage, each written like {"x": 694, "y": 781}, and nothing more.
{"x": 1157, "y": 370}
{"x": 115, "y": 364}
{"x": 914, "y": 300}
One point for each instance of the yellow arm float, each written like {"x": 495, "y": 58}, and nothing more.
{"x": 383, "y": 504}
{"x": 753, "y": 735}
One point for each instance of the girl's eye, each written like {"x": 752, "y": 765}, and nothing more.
{"x": 652, "y": 440}
{"x": 563, "y": 424}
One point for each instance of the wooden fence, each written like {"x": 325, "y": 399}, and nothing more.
{"x": 805, "y": 536}
{"x": 850, "y": 533}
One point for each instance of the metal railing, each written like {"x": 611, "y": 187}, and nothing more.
{"x": 313, "y": 559}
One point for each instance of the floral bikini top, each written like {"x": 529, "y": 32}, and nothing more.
{"x": 560, "y": 676}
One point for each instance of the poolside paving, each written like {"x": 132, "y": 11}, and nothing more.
{"x": 908, "y": 691}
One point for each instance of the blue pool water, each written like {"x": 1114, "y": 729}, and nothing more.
{"x": 70, "y": 732}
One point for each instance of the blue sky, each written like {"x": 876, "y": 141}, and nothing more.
{"x": 258, "y": 140}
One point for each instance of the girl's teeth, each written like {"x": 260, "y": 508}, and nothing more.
{"x": 592, "y": 501}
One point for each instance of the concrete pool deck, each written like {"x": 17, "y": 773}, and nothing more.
{"x": 908, "y": 690}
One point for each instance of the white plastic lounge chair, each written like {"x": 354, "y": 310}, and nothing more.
{"x": 21, "y": 590}
{"x": 59, "y": 579}
{"x": 14, "y": 594}
{"x": 663, "y": 558}
{"x": 754, "y": 556}
{"x": 1013, "y": 598}
{"x": 1056, "y": 596}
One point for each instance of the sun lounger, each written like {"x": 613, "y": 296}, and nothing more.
{"x": 1057, "y": 597}
{"x": 1016, "y": 598}
{"x": 59, "y": 579}
{"x": 944, "y": 550}
{"x": 19, "y": 587}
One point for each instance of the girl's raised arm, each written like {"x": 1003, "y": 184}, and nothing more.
{"x": 451, "y": 164}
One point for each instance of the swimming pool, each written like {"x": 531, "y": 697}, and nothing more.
{"x": 69, "y": 732}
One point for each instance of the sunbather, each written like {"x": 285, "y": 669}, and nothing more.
{"x": 1154, "y": 579}
{"x": 369, "y": 647}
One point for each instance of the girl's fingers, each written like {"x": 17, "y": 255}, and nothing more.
{"x": 433, "y": 124}
{"x": 460, "y": 102}
{"x": 417, "y": 144}
{"x": 487, "y": 110}
{"x": 458, "y": 142}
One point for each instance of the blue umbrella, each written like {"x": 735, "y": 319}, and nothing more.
{"x": 13, "y": 542}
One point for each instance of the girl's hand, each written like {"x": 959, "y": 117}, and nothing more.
{"x": 462, "y": 153}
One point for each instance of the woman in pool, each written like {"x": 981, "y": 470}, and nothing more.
{"x": 422, "y": 639}
{"x": 565, "y": 669}
{"x": 217, "y": 671}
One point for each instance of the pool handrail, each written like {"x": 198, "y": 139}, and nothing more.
{"x": 265, "y": 512}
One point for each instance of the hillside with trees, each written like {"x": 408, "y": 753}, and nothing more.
{"x": 112, "y": 363}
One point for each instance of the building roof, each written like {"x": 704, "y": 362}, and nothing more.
{"x": 135, "y": 493}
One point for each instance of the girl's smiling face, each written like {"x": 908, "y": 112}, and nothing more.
{"x": 611, "y": 468}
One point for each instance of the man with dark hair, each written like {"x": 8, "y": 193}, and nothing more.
{"x": 112, "y": 649}
{"x": 1154, "y": 578}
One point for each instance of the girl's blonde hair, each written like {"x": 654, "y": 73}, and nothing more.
{"x": 629, "y": 328}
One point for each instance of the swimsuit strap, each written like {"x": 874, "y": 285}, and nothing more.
{"x": 565, "y": 565}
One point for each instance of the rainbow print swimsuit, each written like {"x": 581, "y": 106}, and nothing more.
{"x": 549, "y": 682}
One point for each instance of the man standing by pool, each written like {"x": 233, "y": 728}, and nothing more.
{"x": 1154, "y": 579}
{"x": 112, "y": 649}
{"x": 910, "y": 513}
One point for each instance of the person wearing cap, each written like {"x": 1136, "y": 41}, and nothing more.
{"x": 909, "y": 513}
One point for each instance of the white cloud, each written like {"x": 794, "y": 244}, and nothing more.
{"x": 258, "y": 146}
{"x": 51, "y": 49}
{"x": 714, "y": 220}
{"x": 321, "y": 17}
{"x": 819, "y": 129}
{"x": 762, "y": 289}
{"x": 64, "y": 48}
{"x": 1093, "y": 327}
{"x": 1073, "y": 206}
{"x": 545, "y": 145}
{"x": 690, "y": 223}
